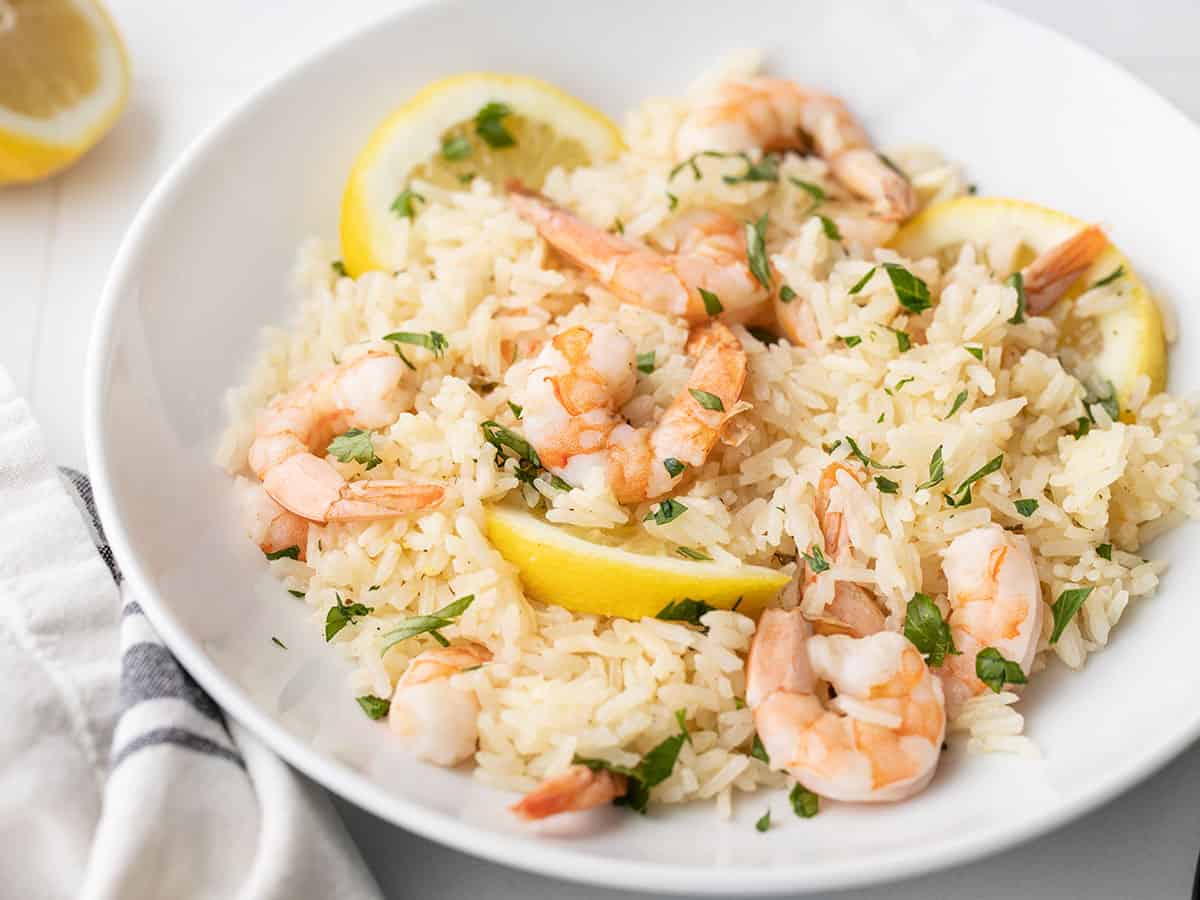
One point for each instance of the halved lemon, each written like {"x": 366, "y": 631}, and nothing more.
{"x": 63, "y": 82}
{"x": 1121, "y": 344}
{"x": 557, "y": 566}
{"x": 477, "y": 125}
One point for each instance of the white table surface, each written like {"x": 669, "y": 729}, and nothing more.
{"x": 191, "y": 62}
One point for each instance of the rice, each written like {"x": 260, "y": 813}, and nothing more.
{"x": 563, "y": 683}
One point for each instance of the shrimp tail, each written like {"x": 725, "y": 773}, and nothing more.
{"x": 576, "y": 789}
{"x": 312, "y": 489}
{"x": 1051, "y": 275}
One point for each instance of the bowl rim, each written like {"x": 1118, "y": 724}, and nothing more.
{"x": 527, "y": 852}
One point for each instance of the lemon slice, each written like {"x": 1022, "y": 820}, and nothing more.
{"x": 63, "y": 82}
{"x": 557, "y": 566}
{"x": 477, "y": 125}
{"x": 1120, "y": 345}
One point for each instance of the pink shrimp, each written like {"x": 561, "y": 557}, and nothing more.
{"x": 438, "y": 721}
{"x": 576, "y": 789}
{"x": 1051, "y": 275}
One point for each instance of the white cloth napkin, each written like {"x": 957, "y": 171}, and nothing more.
{"x": 119, "y": 776}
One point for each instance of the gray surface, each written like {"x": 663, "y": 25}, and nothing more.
{"x": 190, "y": 64}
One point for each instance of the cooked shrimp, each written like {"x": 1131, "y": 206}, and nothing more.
{"x": 576, "y": 789}
{"x": 578, "y": 384}
{"x": 774, "y": 114}
{"x": 853, "y": 609}
{"x": 878, "y": 740}
{"x": 995, "y": 601}
{"x": 437, "y": 720}
{"x": 711, "y": 254}
{"x": 269, "y": 525}
{"x": 367, "y": 392}
{"x": 1051, "y": 275}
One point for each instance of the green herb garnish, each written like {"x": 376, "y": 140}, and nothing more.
{"x": 786, "y": 294}
{"x": 355, "y": 445}
{"x": 911, "y": 291}
{"x": 668, "y": 510}
{"x": 1104, "y": 551}
{"x": 430, "y": 624}
{"x": 489, "y": 125}
{"x": 696, "y": 555}
{"x": 1026, "y": 507}
{"x": 1017, "y": 281}
{"x": 374, "y": 707}
{"x": 654, "y": 768}
{"x": 962, "y": 494}
{"x": 685, "y": 610}
{"x": 516, "y": 410}
{"x": 903, "y": 341}
{"x": 850, "y": 340}
{"x": 292, "y": 552}
{"x": 764, "y": 822}
{"x": 758, "y": 751}
{"x": 927, "y": 630}
{"x": 1112, "y": 276}
{"x": 995, "y": 671}
{"x": 1082, "y": 426}
{"x": 886, "y": 485}
{"x": 278, "y": 643}
{"x": 673, "y": 466}
{"x": 976, "y": 352}
{"x": 763, "y": 335}
{"x": 756, "y": 251}
{"x": 862, "y": 282}
{"x": 866, "y": 460}
{"x": 712, "y": 303}
{"x": 815, "y": 560}
{"x": 829, "y": 227}
{"x": 403, "y": 204}
{"x": 645, "y": 362}
{"x": 340, "y": 615}
{"x": 339, "y": 268}
{"x": 456, "y": 148}
{"x": 813, "y": 190}
{"x": 1064, "y": 609}
{"x": 958, "y": 402}
{"x": 690, "y": 163}
{"x": 937, "y": 470}
{"x": 299, "y": 594}
{"x": 767, "y": 169}
{"x": 435, "y": 342}
{"x": 672, "y": 201}
{"x": 708, "y": 401}
{"x": 805, "y": 803}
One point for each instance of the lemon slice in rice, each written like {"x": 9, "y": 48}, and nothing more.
{"x": 559, "y": 567}
{"x": 63, "y": 82}
{"x": 1120, "y": 344}
{"x": 476, "y": 125}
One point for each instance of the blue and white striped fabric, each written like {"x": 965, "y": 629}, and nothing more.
{"x": 119, "y": 776}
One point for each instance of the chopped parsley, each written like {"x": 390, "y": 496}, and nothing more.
{"x": 1108, "y": 401}
{"x": 1112, "y": 276}
{"x": 339, "y": 268}
{"x": 1104, "y": 551}
{"x": 299, "y": 594}
{"x": 672, "y": 201}
{"x": 708, "y": 401}
{"x": 767, "y": 169}
{"x": 1082, "y": 426}
{"x": 355, "y": 445}
{"x": 668, "y": 510}
{"x": 763, "y": 335}
{"x": 891, "y": 165}
{"x": 456, "y": 148}
{"x": 862, "y": 282}
{"x": 655, "y": 767}
{"x": 911, "y": 291}
{"x": 278, "y": 643}
{"x": 489, "y": 125}
{"x": 696, "y": 555}
{"x": 829, "y": 448}
{"x": 529, "y": 464}
{"x": 516, "y": 410}
{"x": 1069, "y": 602}
{"x": 430, "y": 624}
{"x": 712, "y": 303}
{"x": 1017, "y": 281}
{"x": 758, "y": 751}
{"x": 685, "y": 610}
{"x": 850, "y": 340}
{"x": 374, "y": 707}
{"x": 1026, "y": 507}
{"x": 995, "y": 671}
{"x": 816, "y": 560}
{"x": 895, "y": 389}
{"x": 340, "y": 615}
{"x": 903, "y": 341}
{"x": 673, "y": 466}
{"x": 618, "y": 226}
{"x": 403, "y": 204}
{"x": 756, "y": 251}
{"x": 962, "y": 494}
{"x": 690, "y": 163}
{"x": 829, "y": 227}
{"x": 866, "y": 460}
{"x": 813, "y": 190}
{"x": 886, "y": 485}
{"x": 435, "y": 342}
{"x": 786, "y": 294}
{"x": 805, "y": 803}
{"x": 976, "y": 352}
{"x": 645, "y": 362}
{"x": 927, "y": 630}
{"x": 292, "y": 552}
{"x": 764, "y": 822}
{"x": 958, "y": 402}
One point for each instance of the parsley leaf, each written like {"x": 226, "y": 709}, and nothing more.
{"x": 995, "y": 671}
{"x": 903, "y": 341}
{"x": 976, "y": 352}
{"x": 435, "y": 342}
{"x": 672, "y": 201}
{"x": 712, "y": 303}
{"x": 299, "y": 594}
{"x": 1017, "y": 280}
{"x": 489, "y": 125}
{"x": 690, "y": 163}
{"x": 866, "y": 460}
{"x": 339, "y": 268}
{"x": 340, "y": 615}
{"x": 1082, "y": 426}
{"x": 374, "y": 707}
{"x": 618, "y": 226}
{"x": 500, "y": 437}
{"x": 708, "y": 401}
{"x": 911, "y": 291}
{"x": 805, "y": 803}
{"x": 763, "y": 335}
{"x": 862, "y": 282}
{"x": 813, "y": 190}
{"x": 764, "y": 822}
{"x": 886, "y": 485}
{"x": 696, "y": 555}
{"x": 767, "y": 169}
{"x": 895, "y": 388}
{"x": 645, "y": 362}
{"x": 1107, "y": 400}
{"x": 962, "y": 493}
{"x": 673, "y": 466}
{"x": 516, "y": 410}
{"x": 958, "y": 402}
{"x": 292, "y": 552}
{"x": 654, "y": 768}
{"x": 685, "y": 610}
{"x": 1026, "y": 507}
{"x": 456, "y": 148}
{"x": 928, "y": 631}
{"x": 850, "y": 340}
{"x": 430, "y": 624}
{"x": 668, "y": 510}
{"x": 816, "y": 560}
{"x": 786, "y": 294}
{"x": 278, "y": 643}
{"x": 756, "y": 251}
{"x": 354, "y": 445}
{"x": 758, "y": 751}
{"x": 830, "y": 228}
{"x": 403, "y": 204}
{"x": 1110, "y": 277}
{"x": 1104, "y": 551}
{"x": 1064, "y": 609}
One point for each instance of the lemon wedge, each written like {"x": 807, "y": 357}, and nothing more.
{"x": 1120, "y": 344}
{"x": 559, "y": 567}
{"x": 63, "y": 82}
{"x": 476, "y": 125}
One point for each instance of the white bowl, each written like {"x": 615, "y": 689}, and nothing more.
{"x": 205, "y": 265}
